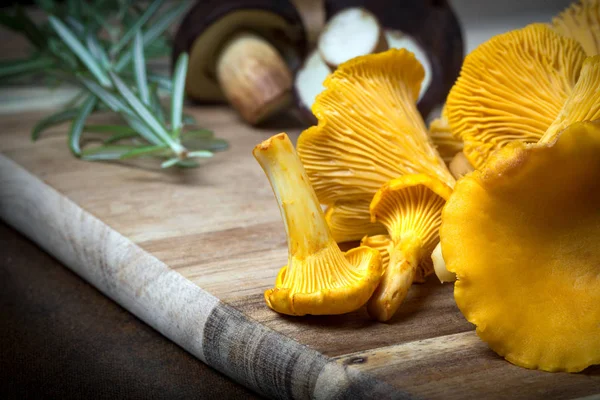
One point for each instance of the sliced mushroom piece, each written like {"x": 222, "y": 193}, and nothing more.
{"x": 242, "y": 52}
{"x": 351, "y": 33}
{"x": 308, "y": 83}
{"x": 435, "y": 29}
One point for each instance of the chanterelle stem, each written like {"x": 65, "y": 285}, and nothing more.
{"x": 301, "y": 212}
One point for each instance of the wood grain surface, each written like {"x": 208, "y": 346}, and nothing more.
{"x": 219, "y": 227}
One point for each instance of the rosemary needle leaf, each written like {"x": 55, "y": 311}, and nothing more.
{"x": 200, "y": 154}
{"x": 114, "y": 129}
{"x": 156, "y": 104}
{"x": 139, "y": 64}
{"x": 162, "y": 24}
{"x": 142, "y": 129}
{"x": 158, "y": 28}
{"x": 177, "y": 95}
{"x": 52, "y": 120}
{"x": 97, "y": 50}
{"x": 25, "y": 66}
{"x": 187, "y": 164}
{"x": 144, "y": 150}
{"x": 202, "y": 133}
{"x": 170, "y": 162}
{"x": 117, "y": 137}
{"x": 135, "y": 27}
{"x": 113, "y": 152}
{"x": 143, "y": 113}
{"x": 78, "y": 124}
{"x": 107, "y": 97}
{"x": 80, "y": 51}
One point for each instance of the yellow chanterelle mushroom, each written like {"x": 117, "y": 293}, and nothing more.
{"x": 319, "y": 278}
{"x": 410, "y": 207}
{"x": 370, "y": 133}
{"x": 581, "y": 21}
{"x": 523, "y": 237}
{"x": 512, "y": 88}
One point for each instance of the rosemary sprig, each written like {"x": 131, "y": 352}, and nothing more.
{"x": 102, "y": 46}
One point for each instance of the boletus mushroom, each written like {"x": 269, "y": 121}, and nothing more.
{"x": 429, "y": 25}
{"x": 242, "y": 52}
{"x": 350, "y": 33}
{"x": 319, "y": 278}
{"x": 522, "y": 235}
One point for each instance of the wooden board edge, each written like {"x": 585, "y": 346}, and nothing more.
{"x": 219, "y": 335}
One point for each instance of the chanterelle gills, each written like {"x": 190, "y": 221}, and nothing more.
{"x": 581, "y": 21}
{"x": 319, "y": 277}
{"x": 522, "y": 236}
{"x": 410, "y": 207}
{"x": 370, "y": 133}
{"x": 512, "y": 88}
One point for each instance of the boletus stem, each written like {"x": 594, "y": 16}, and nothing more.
{"x": 254, "y": 77}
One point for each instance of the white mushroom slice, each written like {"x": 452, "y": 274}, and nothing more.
{"x": 309, "y": 80}
{"x": 351, "y": 33}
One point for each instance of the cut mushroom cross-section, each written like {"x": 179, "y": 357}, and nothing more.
{"x": 242, "y": 52}
{"x": 351, "y": 33}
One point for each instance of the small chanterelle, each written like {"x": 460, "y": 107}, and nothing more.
{"x": 319, "y": 277}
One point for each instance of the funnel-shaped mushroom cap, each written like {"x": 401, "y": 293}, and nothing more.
{"x": 444, "y": 141}
{"x": 319, "y": 278}
{"x": 584, "y": 102}
{"x": 522, "y": 235}
{"x": 369, "y": 129}
{"x": 348, "y": 220}
{"x": 410, "y": 208}
{"x": 512, "y": 87}
{"x": 581, "y": 21}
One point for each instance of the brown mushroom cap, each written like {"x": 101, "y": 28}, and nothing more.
{"x": 209, "y": 24}
{"x": 433, "y": 25}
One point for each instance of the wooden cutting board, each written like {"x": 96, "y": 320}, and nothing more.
{"x": 191, "y": 252}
